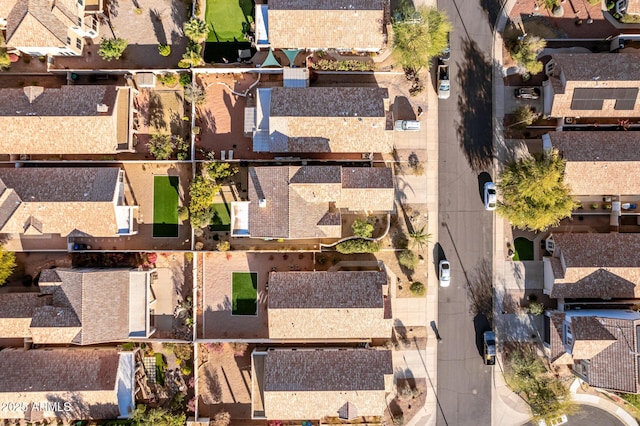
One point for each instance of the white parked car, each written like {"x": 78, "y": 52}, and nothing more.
{"x": 444, "y": 273}
{"x": 490, "y": 199}
{"x": 407, "y": 125}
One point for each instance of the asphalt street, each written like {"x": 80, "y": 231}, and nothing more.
{"x": 588, "y": 415}
{"x": 466, "y": 229}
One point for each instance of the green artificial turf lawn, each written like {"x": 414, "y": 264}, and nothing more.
{"x": 523, "y": 249}
{"x": 221, "y": 220}
{"x": 225, "y": 17}
{"x": 165, "y": 206}
{"x": 244, "y": 293}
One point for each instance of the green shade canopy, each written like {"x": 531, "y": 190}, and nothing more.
{"x": 291, "y": 55}
{"x": 271, "y": 60}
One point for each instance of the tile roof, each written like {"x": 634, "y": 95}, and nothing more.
{"x": 79, "y": 302}
{"x": 302, "y": 384}
{"x": 592, "y": 70}
{"x": 350, "y": 304}
{"x": 356, "y": 24}
{"x": 304, "y": 202}
{"x": 329, "y": 119}
{"x": 600, "y": 163}
{"x": 84, "y": 378}
{"x": 72, "y": 111}
{"x": 38, "y": 23}
{"x": 555, "y": 338}
{"x": 62, "y": 200}
{"x": 596, "y": 266}
{"x": 590, "y": 337}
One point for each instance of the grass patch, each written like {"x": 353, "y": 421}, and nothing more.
{"x": 161, "y": 368}
{"x": 221, "y": 219}
{"x": 225, "y": 19}
{"x": 244, "y": 293}
{"x": 165, "y": 206}
{"x": 523, "y": 249}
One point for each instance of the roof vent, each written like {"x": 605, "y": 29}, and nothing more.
{"x": 102, "y": 108}
{"x": 262, "y": 202}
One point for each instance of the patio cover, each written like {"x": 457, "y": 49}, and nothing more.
{"x": 291, "y": 55}
{"x": 271, "y": 60}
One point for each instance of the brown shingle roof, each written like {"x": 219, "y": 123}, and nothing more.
{"x": 327, "y": 24}
{"x": 597, "y": 265}
{"x": 33, "y": 23}
{"x": 350, "y": 305}
{"x": 329, "y": 119}
{"x": 16, "y": 310}
{"x": 72, "y": 111}
{"x": 593, "y": 70}
{"x": 85, "y": 378}
{"x": 600, "y": 163}
{"x": 62, "y": 200}
{"x": 304, "y": 202}
{"x": 315, "y": 383}
{"x": 590, "y": 337}
{"x": 555, "y": 339}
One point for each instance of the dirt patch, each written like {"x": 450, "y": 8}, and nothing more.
{"x": 411, "y": 337}
{"x": 410, "y": 399}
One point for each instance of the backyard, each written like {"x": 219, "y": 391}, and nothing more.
{"x": 221, "y": 220}
{"x": 244, "y": 293}
{"x": 228, "y": 20}
{"x": 165, "y": 206}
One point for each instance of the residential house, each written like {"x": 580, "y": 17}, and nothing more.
{"x": 41, "y": 203}
{"x": 588, "y": 85}
{"x": 50, "y": 27}
{"x": 587, "y": 266}
{"x": 356, "y": 25}
{"x": 322, "y": 119}
{"x": 82, "y": 307}
{"x": 303, "y": 384}
{"x": 71, "y": 119}
{"x": 350, "y": 304}
{"x": 69, "y": 384}
{"x": 600, "y": 346}
{"x": 297, "y": 202}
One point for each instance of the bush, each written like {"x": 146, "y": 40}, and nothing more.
{"x": 346, "y": 65}
{"x": 524, "y": 116}
{"x": 195, "y": 94}
{"x": 408, "y": 259}
{"x": 417, "y": 289}
{"x": 183, "y": 213}
{"x": 202, "y": 218}
{"x": 164, "y": 50}
{"x": 186, "y": 370}
{"x": 112, "y": 48}
{"x": 357, "y": 246}
{"x": 630, "y": 19}
{"x": 525, "y": 52}
{"x": 362, "y": 228}
{"x": 128, "y": 346}
{"x": 222, "y": 419}
{"x": 223, "y": 246}
{"x": 182, "y": 351}
{"x": 168, "y": 79}
{"x": 536, "y": 308}
{"x": 185, "y": 79}
{"x": 161, "y": 146}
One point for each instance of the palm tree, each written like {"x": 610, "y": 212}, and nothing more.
{"x": 419, "y": 238}
{"x": 196, "y": 29}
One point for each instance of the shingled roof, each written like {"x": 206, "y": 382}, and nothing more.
{"x": 304, "y": 24}
{"x": 65, "y": 201}
{"x": 312, "y": 384}
{"x": 85, "y": 379}
{"x": 597, "y": 266}
{"x": 305, "y": 202}
{"x": 599, "y": 163}
{"x": 328, "y": 119}
{"x": 16, "y": 311}
{"x": 38, "y": 23}
{"x": 351, "y": 305}
{"x": 87, "y": 120}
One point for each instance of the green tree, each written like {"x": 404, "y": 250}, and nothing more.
{"x": 357, "y": 246}
{"x": 192, "y": 57}
{"x": 419, "y": 36}
{"x": 196, "y": 29}
{"x": 144, "y": 416}
{"x": 534, "y": 195}
{"x": 112, "y": 48}
{"x": 419, "y": 238}
{"x": 7, "y": 264}
{"x": 525, "y": 51}
{"x": 408, "y": 259}
{"x": 202, "y": 191}
{"x": 524, "y": 116}
{"x": 218, "y": 170}
{"x": 161, "y": 146}
{"x": 362, "y": 228}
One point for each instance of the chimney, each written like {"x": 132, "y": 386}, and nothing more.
{"x": 262, "y": 202}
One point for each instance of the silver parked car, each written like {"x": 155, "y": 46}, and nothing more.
{"x": 444, "y": 272}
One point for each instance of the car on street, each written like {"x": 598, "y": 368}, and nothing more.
{"x": 407, "y": 125}
{"x": 490, "y": 198}
{"x": 553, "y": 421}
{"x": 527, "y": 93}
{"x": 444, "y": 273}
{"x": 489, "y": 338}
{"x": 444, "y": 85}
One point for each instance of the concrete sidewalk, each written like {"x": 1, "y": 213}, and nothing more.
{"x": 602, "y": 403}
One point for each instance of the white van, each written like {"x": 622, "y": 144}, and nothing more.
{"x": 407, "y": 125}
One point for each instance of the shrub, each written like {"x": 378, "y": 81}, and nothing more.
{"x": 362, "y": 228}
{"x": 183, "y": 213}
{"x": 186, "y": 370}
{"x": 223, "y": 246}
{"x": 112, "y": 48}
{"x": 196, "y": 29}
{"x": 161, "y": 146}
{"x": 201, "y": 218}
{"x": 195, "y": 94}
{"x": 345, "y": 65}
{"x": 164, "y": 50}
{"x": 168, "y": 79}
{"x": 525, "y": 51}
{"x": 417, "y": 289}
{"x": 188, "y": 256}
{"x": 185, "y": 79}
{"x": 357, "y": 246}
{"x": 536, "y": 308}
{"x": 128, "y": 346}
{"x": 524, "y": 116}
{"x": 182, "y": 351}
{"x": 408, "y": 259}
{"x": 222, "y": 419}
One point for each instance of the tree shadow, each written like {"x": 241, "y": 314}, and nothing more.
{"x": 475, "y": 130}
{"x": 156, "y": 112}
{"x": 480, "y": 289}
{"x": 492, "y": 10}
{"x": 247, "y": 8}
{"x": 158, "y": 28}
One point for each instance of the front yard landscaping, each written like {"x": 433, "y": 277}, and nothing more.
{"x": 165, "y": 206}
{"x": 244, "y": 293}
{"x": 228, "y": 19}
{"x": 523, "y": 249}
